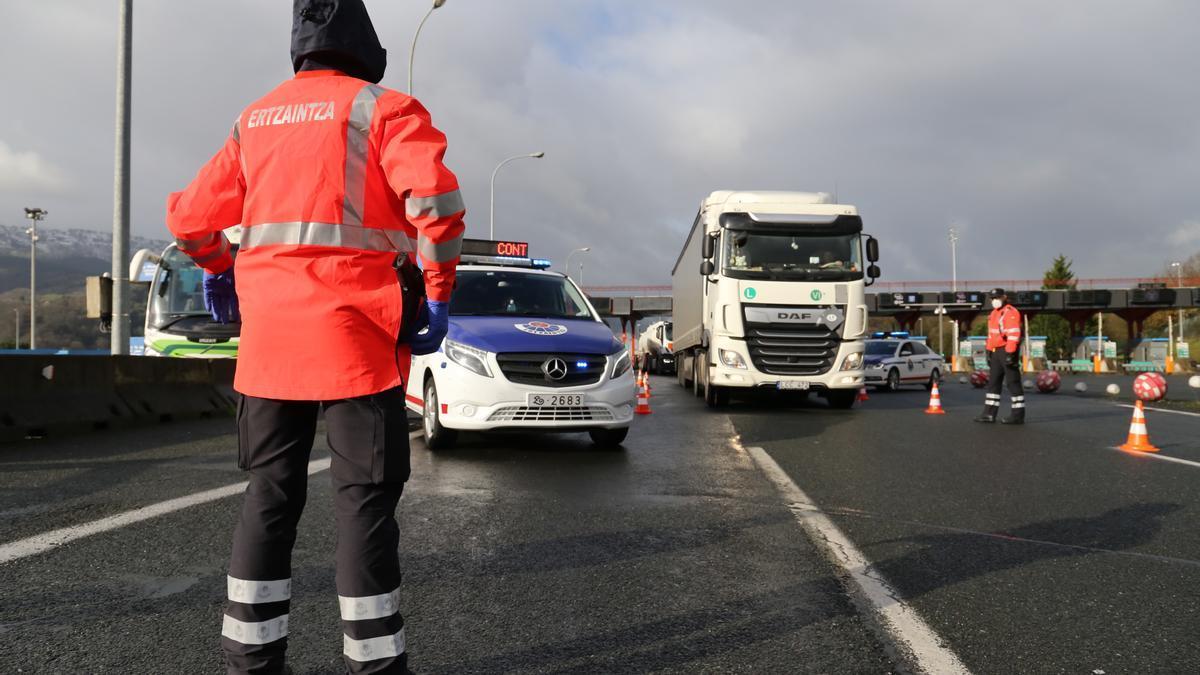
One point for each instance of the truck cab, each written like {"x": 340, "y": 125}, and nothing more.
{"x": 769, "y": 294}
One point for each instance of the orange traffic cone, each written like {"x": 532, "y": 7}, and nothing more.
{"x": 1139, "y": 438}
{"x": 646, "y": 382}
{"x": 643, "y": 403}
{"x": 862, "y": 395}
{"x": 935, "y": 402}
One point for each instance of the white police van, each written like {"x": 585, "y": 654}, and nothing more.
{"x": 525, "y": 350}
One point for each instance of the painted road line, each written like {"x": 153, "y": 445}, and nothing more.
{"x": 47, "y": 541}
{"x": 1161, "y": 410}
{"x": 909, "y": 633}
{"x": 1155, "y": 455}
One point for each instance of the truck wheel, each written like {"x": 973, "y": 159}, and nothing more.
{"x": 714, "y": 396}
{"x": 841, "y": 399}
{"x": 893, "y": 380}
{"x": 697, "y": 388}
{"x": 681, "y": 375}
{"x": 609, "y": 438}
{"x": 437, "y": 437}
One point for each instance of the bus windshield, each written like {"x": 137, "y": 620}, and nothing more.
{"x": 515, "y": 293}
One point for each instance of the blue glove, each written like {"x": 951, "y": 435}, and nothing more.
{"x": 433, "y": 325}
{"x": 220, "y": 297}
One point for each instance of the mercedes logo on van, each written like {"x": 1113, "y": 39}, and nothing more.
{"x": 555, "y": 369}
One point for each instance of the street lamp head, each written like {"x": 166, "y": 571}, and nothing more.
{"x": 537, "y": 155}
{"x": 438, "y": 3}
{"x": 585, "y": 249}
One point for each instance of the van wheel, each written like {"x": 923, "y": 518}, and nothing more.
{"x": 609, "y": 438}
{"x": 437, "y": 437}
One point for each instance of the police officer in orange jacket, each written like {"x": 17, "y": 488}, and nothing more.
{"x": 352, "y": 228}
{"x": 1004, "y": 359}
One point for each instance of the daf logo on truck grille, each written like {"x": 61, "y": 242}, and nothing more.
{"x": 555, "y": 369}
{"x": 831, "y": 317}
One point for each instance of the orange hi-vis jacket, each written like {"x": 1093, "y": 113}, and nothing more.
{"x": 1004, "y": 329}
{"x": 330, "y": 177}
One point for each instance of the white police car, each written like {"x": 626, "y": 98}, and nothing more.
{"x": 524, "y": 350}
{"x": 893, "y": 361}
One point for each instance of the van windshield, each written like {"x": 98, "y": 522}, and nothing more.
{"x": 505, "y": 293}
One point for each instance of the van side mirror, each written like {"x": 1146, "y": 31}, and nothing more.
{"x": 707, "y": 268}
{"x": 708, "y": 248}
{"x": 872, "y": 249}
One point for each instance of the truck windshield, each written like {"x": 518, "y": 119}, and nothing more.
{"x": 792, "y": 255}
{"x": 668, "y": 329}
{"x": 504, "y": 293}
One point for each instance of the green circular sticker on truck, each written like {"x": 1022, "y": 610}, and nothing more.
{"x": 816, "y": 294}
{"x": 749, "y": 293}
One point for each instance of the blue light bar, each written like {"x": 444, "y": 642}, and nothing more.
{"x": 541, "y": 263}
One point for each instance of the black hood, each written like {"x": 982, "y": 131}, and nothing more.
{"x": 336, "y": 34}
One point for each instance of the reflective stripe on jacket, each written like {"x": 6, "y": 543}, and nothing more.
{"x": 330, "y": 177}
{"x": 1004, "y": 329}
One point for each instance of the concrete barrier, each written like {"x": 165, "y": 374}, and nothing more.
{"x": 43, "y": 395}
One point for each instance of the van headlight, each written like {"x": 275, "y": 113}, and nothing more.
{"x": 621, "y": 363}
{"x": 853, "y": 361}
{"x": 731, "y": 359}
{"x": 474, "y": 360}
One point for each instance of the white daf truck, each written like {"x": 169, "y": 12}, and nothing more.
{"x": 769, "y": 294}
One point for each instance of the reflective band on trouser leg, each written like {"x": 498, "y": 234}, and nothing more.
{"x": 358, "y": 129}
{"x": 435, "y": 206}
{"x": 445, "y": 251}
{"x": 369, "y": 606}
{"x": 257, "y": 592}
{"x": 371, "y": 649}
{"x": 993, "y": 397}
{"x": 255, "y": 633}
{"x": 324, "y": 234}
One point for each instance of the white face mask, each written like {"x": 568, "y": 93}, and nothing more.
{"x": 997, "y": 303}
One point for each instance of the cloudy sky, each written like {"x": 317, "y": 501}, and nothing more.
{"x": 1037, "y": 127}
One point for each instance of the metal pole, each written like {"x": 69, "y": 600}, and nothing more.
{"x": 412, "y": 52}
{"x": 581, "y": 272}
{"x": 492, "y": 204}
{"x": 120, "y": 245}
{"x": 1179, "y": 276}
{"x": 33, "y": 237}
{"x": 17, "y": 330}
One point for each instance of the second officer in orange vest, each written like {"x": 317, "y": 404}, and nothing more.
{"x": 1004, "y": 358}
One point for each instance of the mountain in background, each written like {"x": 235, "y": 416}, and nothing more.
{"x": 65, "y": 257}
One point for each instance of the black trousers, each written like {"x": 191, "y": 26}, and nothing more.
{"x": 369, "y": 465}
{"x": 1002, "y": 372}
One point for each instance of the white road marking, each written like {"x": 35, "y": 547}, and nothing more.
{"x": 1161, "y": 410}
{"x": 40, "y": 543}
{"x": 1155, "y": 455}
{"x": 909, "y": 632}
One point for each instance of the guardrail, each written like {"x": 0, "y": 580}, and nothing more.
{"x": 52, "y": 394}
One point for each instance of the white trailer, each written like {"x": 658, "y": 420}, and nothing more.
{"x": 769, "y": 293}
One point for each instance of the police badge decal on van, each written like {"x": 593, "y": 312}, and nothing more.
{"x": 541, "y": 328}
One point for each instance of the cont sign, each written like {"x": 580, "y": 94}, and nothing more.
{"x": 506, "y": 249}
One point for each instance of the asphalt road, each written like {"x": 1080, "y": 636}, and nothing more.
{"x": 522, "y": 554}
{"x": 1032, "y": 549}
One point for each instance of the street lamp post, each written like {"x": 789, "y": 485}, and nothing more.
{"x": 1179, "y": 282}
{"x": 412, "y": 52}
{"x": 492, "y": 211}
{"x": 953, "y": 236}
{"x": 585, "y": 249}
{"x": 119, "y": 337}
{"x": 17, "y": 329}
{"x": 35, "y": 215}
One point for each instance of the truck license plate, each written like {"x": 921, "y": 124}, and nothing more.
{"x": 554, "y": 400}
{"x": 793, "y": 384}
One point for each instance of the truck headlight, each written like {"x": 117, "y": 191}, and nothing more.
{"x": 621, "y": 363}
{"x": 852, "y": 361}
{"x": 731, "y": 359}
{"x": 474, "y": 360}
